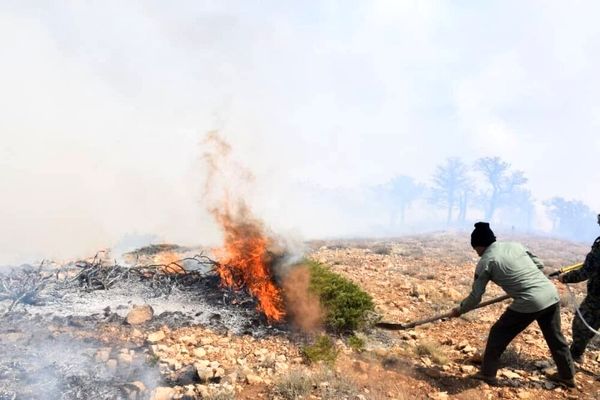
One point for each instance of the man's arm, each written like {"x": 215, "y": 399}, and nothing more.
{"x": 482, "y": 277}
{"x": 591, "y": 263}
{"x": 535, "y": 260}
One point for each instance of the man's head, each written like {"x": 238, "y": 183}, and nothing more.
{"x": 481, "y": 237}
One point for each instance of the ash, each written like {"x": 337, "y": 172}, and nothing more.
{"x": 51, "y": 316}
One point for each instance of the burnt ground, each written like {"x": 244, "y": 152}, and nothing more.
{"x": 71, "y": 340}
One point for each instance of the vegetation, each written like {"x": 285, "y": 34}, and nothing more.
{"x": 432, "y": 350}
{"x": 345, "y": 304}
{"x": 356, "y": 343}
{"x": 296, "y": 384}
{"x": 322, "y": 350}
{"x": 325, "y": 384}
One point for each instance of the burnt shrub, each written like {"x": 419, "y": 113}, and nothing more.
{"x": 344, "y": 303}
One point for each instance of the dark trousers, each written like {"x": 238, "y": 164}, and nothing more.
{"x": 511, "y": 323}
{"x": 590, "y": 309}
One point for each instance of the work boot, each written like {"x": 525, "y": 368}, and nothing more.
{"x": 490, "y": 380}
{"x": 568, "y": 382}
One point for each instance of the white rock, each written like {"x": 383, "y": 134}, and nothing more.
{"x": 140, "y": 314}
{"x": 163, "y": 393}
{"x": 156, "y": 337}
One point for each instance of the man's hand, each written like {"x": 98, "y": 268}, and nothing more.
{"x": 455, "y": 312}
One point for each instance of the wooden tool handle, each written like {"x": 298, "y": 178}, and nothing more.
{"x": 397, "y": 327}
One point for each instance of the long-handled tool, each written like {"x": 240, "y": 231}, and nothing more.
{"x": 394, "y": 326}
{"x": 564, "y": 270}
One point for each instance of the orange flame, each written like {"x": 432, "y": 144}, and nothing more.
{"x": 246, "y": 261}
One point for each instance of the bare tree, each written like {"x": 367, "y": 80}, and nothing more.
{"x": 572, "y": 219}
{"x": 502, "y": 183}
{"x": 399, "y": 194}
{"x": 451, "y": 188}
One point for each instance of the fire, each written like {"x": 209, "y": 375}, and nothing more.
{"x": 245, "y": 260}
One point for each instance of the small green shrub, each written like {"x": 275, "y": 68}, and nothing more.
{"x": 356, "y": 343}
{"x": 322, "y": 350}
{"x": 345, "y": 304}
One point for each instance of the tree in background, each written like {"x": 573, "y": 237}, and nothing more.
{"x": 399, "y": 194}
{"x": 502, "y": 183}
{"x": 451, "y": 188}
{"x": 572, "y": 219}
{"x": 522, "y": 209}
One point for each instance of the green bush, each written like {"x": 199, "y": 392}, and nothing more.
{"x": 322, "y": 350}
{"x": 345, "y": 304}
{"x": 356, "y": 343}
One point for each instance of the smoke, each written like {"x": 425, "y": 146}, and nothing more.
{"x": 303, "y": 306}
{"x": 102, "y": 105}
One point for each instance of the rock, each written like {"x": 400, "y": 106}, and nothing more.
{"x": 281, "y": 358}
{"x": 468, "y": 369}
{"x": 199, "y": 352}
{"x": 253, "y": 379}
{"x": 112, "y": 364}
{"x": 140, "y": 314}
{"x": 173, "y": 363}
{"x": 191, "y": 340}
{"x": 469, "y": 350}
{"x": 163, "y": 393}
{"x": 219, "y": 373}
{"x": 542, "y": 364}
{"x": 203, "y": 391}
{"x": 549, "y": 385}
{"x": 206, "y": 340}
{"x": 524, "y": 395}
{"x": 125, "y": 358}
{"x": 102, "y": 355}
{"x": 462, "y": 345}
{"x": 477, "y": 357}
{"x": 438, "y": 396}
{"x": 205, "y": 374}
{"x": 135, "y": 390}
{"x": 156, "y": 337}
{"x": 185, "y": 376}
{"x": 509, "y": 374}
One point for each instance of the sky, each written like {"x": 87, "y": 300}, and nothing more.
{"x": 104, "y": 106}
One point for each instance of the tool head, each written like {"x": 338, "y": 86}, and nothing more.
{"x": 390, "y": 326}
{"x": 598, "y": 219}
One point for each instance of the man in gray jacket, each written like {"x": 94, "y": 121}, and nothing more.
{"x": 519, "y": 273}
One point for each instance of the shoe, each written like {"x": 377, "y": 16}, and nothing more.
{"x": 490, "y": 380}
{"x": 568, "y": 382}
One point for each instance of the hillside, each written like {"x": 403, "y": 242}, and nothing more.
{"x": 102, "y": 330}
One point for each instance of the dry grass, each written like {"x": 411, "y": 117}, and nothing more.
{"x": 325, "y": 384}
{"x": 294, "y": 385}
{"x": 432, "y": 350}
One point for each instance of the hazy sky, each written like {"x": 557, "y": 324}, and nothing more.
{"x": 104, "y": 104}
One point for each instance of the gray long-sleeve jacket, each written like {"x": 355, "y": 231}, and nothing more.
{"x": 516, "y": 270}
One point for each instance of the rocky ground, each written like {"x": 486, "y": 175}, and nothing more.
{"x": 144, "y": 348}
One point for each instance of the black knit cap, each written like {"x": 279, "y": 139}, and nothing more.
{"x": 482, "y": 235}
